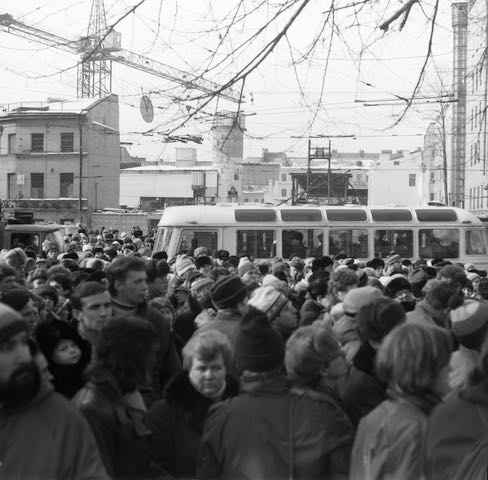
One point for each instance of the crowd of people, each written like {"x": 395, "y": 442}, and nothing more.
{"x": 117, "y": 362}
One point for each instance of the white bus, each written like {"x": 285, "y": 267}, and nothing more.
{"x": 361, "y": 232}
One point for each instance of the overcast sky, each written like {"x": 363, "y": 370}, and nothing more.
{"x": 363, "y": 64}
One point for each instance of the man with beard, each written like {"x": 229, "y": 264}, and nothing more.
{"x": 41, "y": 434}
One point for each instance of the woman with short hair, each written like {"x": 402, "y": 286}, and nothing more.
{"x": 177, "y": 420}
{"x": 413, "y": 361}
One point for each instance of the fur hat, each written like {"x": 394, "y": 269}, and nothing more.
{"x": 309, "y": 350}
{"x": 49, "y": 334}
{"x": 228, "y": 291}
{"x": 222, "y": 254}
{"x": 359, "y": 297}
{"x": 200, "y": 252}
{"x": 17, "y": 298}
{"x": 395, "y": 284}
{"x": 183, "y": 264}
{"x": 47, "y": 291}
{"x": 469, "y": 321}
{"x": 268, "y": 300}
{"x": 202, "y": 261}
{"x": 11, "y": 323}
{"x": 259, "y": 347}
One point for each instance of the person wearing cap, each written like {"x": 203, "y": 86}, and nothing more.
{"x": 45, "y": 437}
{"x": 399, "y": 288}
{"x": 393, "y": 265}
{"x": 230, "y": 298}
{"x": 200, "y": 290}
{"x": 128, "y": 287}
{"x": 268, "y": 431}
{"x": 222, "y": 257}
{"x": 469, "y": 324}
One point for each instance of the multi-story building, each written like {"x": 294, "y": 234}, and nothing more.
{"x": 60, "y": 160}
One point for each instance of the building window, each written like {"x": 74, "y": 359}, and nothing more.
{"x": 432, "y": 197}
{"x": 283, "y": 192}
{"x": 11, "y": 142}
{"x": 412, "y": 178}
{"x": 37, "y": 142}
{"x": 67, "y": 141}
{"x": 66, "y": 185}
{"x": 283, "y": 177}
{"x": 236, "y": 176}
{"x": 37, "y": 185}
{"x": 246, "y": 200}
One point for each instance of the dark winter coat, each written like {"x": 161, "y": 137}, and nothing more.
{"x": 168, "y": 362}
{"x": 177, "y": 421}
{"x": 48, "y": 439}
{"x": 452, "y": 430}
{"x": 122, "y": 437}
{"x": 268, "y": 432}
{"x": 311, "y": 310}
{"x": 364, "y": 391}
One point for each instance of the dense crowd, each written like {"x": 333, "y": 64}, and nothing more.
{"x": 117, "y": 362}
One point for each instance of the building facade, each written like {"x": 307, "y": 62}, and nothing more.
{"x": 60, "y": 161}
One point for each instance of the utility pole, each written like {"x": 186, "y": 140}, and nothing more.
{"x": 309, "y": 170}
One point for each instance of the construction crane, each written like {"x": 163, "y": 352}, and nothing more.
{"x": 102, "y": 46}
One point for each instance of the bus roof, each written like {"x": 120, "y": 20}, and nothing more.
{"x": 215, "y": 215}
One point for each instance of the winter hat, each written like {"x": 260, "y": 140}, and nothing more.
{"x": 395, "y": 284}
{"x": 86, "y": 248}
{"x": 183, "y": 264}
{"x": 259, "y": 347}
{"x": 469, "y": 321}
{"x": 200, "y": 283}
{"x": 392, "y": 259}
{"x": 47, "y": 291}
{"x": 470, "y": 267}
{"x": 245, "y": 266}
{"x": 200, "y": 252}
{"x": 418, "y": 278}
{"x": 228, "y": 291}
{"x": 202, "y": 261}
{"x": 17, "y": 298}
{"x": 359, "y": 297}
{"x": 309, "y": 350}
{"x": 11, "y": 323}
{"x": 49, "y": 334}
{"x": 472, "y": 275}
{"x": 222, "y": 254}
{"x": 268, "y": 300}
{"x": 279, "y": 266}
{"x": 38, "y": 273}
{"x": 272, "y": 281}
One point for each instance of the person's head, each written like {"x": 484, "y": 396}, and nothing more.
{"x": 60, "y": 343}
{"x": 413, "y": 359}
{"x": 377, "y": 319}
{"x": 357, "y": 298}
{"x": 475, "y": 280}
{"x": 38, "y": 277}
{"x": 318, "y": 285}
{"x": 92, "y": 307}
{"x": 469, "y": 321}
{"x": 128, "y": 280}
{"x": 164, "y": 306}
{"x": 378, "y": 265}
{"x": 125, "y": 350}
{"x": 62, "y": 283}
{"x": 49, "y": 295}
{"x": 17, "y": 259}
{"x": 277, "y": 307}
{"x": 258, "y": 347}
{"x": 7, "y": 279}
{"x": 206, "y": 358}
{"x": 52, "y": 251}
{"x": 200, "y": 290}
{"x": 437, "y": 294}
{"x": 157, "y": 278}
{"x": 230, "y": 293}
{"x": 341, "y": 281}
{"x": 183, "y": 265}
{"x": 398, "y": 288}
{"x": 313, "y": 352}
{"x": 21, "y": 301}
{"x": 19, "y": 376}
{"x": 393, "y": 264}
{"x": 453, "y": 275}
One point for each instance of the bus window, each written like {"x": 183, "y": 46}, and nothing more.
{"x": 257, "y": 243}
{"x": 475, "y": 242}
{"x": 399, "y": 241}
{"x": 439, "y": 243}
{"x": 302, "y": 243}
{"x": 352, "y": 243}
{"x": 191, "y": 239}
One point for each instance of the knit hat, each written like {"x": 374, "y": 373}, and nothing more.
{"x": 359, "y": 297}
{"x": 200, "y": 251}
{"x": 49, "y": 334}
{"x": 228, "y": 291}
{"x": 395, "y": 284}
{"x": 11, "y": 323}
{"x": 183, "y": 264}
{"x": 469, "y": 322}
{"x": 259, "y": 347}
{"x": 268, "y": 300}
{"x": 200, "y": 283}
{"x": 17, "y": 298}
{"x": 245, "y": 266}
{"x": 309, "y": 350}
{"x": 392, "y": 259}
